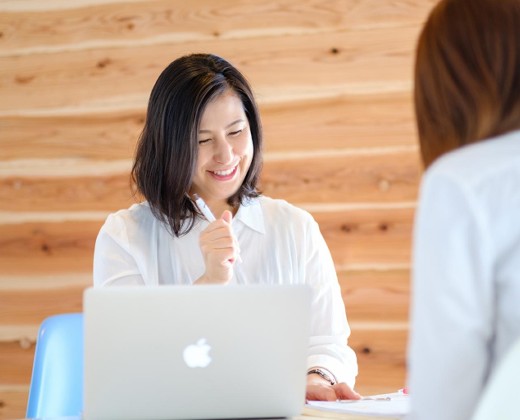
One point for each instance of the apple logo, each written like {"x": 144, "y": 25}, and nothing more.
{"x": 197, "y": 355}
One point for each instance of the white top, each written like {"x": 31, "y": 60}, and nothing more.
{"x": 279, "y": 244}
{"x": 466, "y": 277}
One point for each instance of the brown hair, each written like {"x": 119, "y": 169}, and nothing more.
{"x": 167, "y": 151}
{"x": 467, "y": 74}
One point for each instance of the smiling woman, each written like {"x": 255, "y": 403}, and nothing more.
{"x": 225, "y": 151}
{"x": 202, "y": 137}
{"x": 194, "y": 107}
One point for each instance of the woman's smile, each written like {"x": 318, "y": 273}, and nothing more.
{"x": 225, "y": 175}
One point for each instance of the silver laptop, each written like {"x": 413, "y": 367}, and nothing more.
{"x": 195, "y": 352}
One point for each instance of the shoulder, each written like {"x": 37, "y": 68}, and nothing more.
{"x": 478, "y": 181}
{"x": 136, "y": 218}
{"x": 283, "y": 218}
{"x": 281, "y": 210}
{"x": 481, "y": 163}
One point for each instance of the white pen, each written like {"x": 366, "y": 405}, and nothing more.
{"x": 203, "y": 207}
{"x": 206, "y": 211}
{"x": 366, "y": 398}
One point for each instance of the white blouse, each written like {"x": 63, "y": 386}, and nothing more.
{"x": 466, "y": 276}
{"x": 279, "y": 244}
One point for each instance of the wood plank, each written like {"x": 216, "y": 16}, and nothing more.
{"x": 13, "y": 402}
{"x": 376, "y": 295}
{"x": 16, "y": 360}
{"x": 47, "y": 248}
{"x": 368, "y": 236}
{"x": 103, "y": 193}
{"x": 332, "y": 177}
{"x": 369, "y": 296}
{"x": 381, "y": 119}
{"x": 340, "y": 62}
{"x": 355, "y": 237}
{"x": 36, "y": 26}
{"x": 354, "y": 121}
{"x": 344, "y": 177}
{"x": 42, "y": 281}
{"x": 381, "y": 359}
{"x": 96, "y": 136}
{"x": 33, "y": 306}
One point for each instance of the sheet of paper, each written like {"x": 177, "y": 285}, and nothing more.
{"x": 394, "y": 405}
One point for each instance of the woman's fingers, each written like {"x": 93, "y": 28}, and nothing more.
{"x": 220, "y": 250}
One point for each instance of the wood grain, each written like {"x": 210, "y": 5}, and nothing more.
{"x": 16, "y": 360}
{"x": 340, "y": 63}
{"x": 355, "y": 121}
{"x": 355, "y": 237}
{"x": 351, "y": 121}
{"x": 368, "y": 236}
{"x": 82, "y": 24}
{"x": 344, "y": 178}
{"x": 32, "y": 307}
{"x": 13, "y": 402}
{"x": 330, "y": 178}
{"x": 102, "y": 136}
{"x": 47, "y": 248}
{"x": 376, "y": 296}
{"x": 381, "y": 359}
{"x": 370, "y": 296}
{"x": 77, "y": 193}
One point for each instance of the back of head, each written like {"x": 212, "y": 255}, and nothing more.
{"x": 467, "y": 74}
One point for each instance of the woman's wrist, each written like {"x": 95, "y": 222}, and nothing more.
{"x": 323, "y": 373}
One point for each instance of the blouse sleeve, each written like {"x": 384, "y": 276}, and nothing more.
{"x": 329, "y": 327}
{"x": 451, "y": 314}
{"x": 113, "y": 261}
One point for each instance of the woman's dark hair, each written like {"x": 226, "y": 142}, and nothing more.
{"x": 167, "y": 150}
{"x": 467, "y": 74}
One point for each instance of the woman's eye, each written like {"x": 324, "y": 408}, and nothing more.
{"x": 204, "y": 141}
{"x": 235, "y": 133}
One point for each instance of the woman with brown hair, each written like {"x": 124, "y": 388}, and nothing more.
{"x": 466, "y": 253}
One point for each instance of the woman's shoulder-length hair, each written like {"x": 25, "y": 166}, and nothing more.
{"x": 467, "y": 74}
{"x": 167, "y": 149}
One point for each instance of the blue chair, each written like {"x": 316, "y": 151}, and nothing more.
{"x": 57, "y": 378}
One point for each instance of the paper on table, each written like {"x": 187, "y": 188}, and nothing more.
{"x": 394, "y": 405}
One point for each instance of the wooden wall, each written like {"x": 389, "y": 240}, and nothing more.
{"x": 333, "y": 79}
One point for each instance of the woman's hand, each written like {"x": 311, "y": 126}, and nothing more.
{"x": 219, "y": 249}
{"x": 319, "y": 389}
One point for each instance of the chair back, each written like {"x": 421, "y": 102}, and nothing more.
{"x": 56, "y": 388}
{"x": 499, "y": 400}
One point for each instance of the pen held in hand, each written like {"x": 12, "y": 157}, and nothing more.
{"x": 203, "y": 207}
{"x": 206, "y": 211}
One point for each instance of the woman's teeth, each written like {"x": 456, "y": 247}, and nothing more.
{"x": 224, "y": 173}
